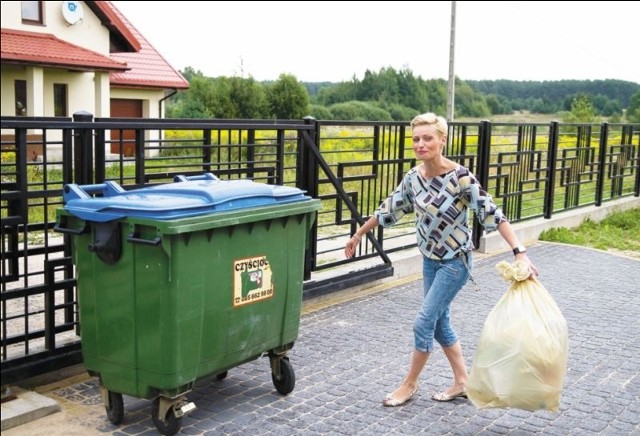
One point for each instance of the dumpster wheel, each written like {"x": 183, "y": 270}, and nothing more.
{"x": 170, "y": 425}
{"x": 114, "y": 407}
{"x": 282, "y": 375}
{"x": 167, "y": 413}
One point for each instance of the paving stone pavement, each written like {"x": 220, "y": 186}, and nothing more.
{"x": 349, "y": 355}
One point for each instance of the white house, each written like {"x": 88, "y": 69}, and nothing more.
{"x": 61, "y": 57}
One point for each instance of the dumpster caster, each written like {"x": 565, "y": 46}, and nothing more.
{"x": 222, "y": 375}
{"x": 167, "y": 414}
{"x": 113, "y": 405}
{"x": 282, "y": 375}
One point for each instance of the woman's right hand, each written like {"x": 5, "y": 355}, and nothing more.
{"x": 352, "y": 244}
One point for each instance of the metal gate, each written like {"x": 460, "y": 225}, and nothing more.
{"x": 532, "y": 170}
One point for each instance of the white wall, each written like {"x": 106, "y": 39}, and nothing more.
{"x": 88, "y": 33}
{"x": 9, "y": 74}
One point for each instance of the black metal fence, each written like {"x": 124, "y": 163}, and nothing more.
{"x": 531, "y": 170}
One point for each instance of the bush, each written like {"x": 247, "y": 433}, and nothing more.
{"x": 359, "y": 111}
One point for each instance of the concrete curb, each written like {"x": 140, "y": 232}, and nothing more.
{"x": 26, "y": 407}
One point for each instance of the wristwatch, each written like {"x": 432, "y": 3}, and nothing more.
{"x": 519, "y": 249}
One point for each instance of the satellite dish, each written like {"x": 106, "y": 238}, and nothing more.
{"x": 72, "y": 12}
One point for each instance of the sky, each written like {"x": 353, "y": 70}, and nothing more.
{"x": 528, "y": 40}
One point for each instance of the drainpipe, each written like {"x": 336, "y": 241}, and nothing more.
{"x": 175, "y": 91}
{"x": 160, "y": 131}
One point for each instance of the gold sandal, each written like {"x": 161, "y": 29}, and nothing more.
{"x": 389, "y": 401}
{"x": 443, "y": 397}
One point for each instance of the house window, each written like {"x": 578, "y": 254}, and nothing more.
{"x": 32, "y": 12}
{"x": 20, "y": 91}
{"x": 59, "y": 100}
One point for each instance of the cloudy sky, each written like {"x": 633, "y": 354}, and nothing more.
{"x": 336, "y": 41}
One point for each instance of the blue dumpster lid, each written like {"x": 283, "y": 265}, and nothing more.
{"x": 181, "y": 199}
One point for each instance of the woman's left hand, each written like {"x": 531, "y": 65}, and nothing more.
{"x": 532, "y": 268}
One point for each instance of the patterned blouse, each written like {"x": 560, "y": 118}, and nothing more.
{"x": 441, "y": 206}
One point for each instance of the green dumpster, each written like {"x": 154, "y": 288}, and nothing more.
{"x": 185, "y": 280}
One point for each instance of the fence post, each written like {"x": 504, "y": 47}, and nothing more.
{"x": 83, "y": 149}
{"x": 482, "y": 173}
{"x": 552, "y": 153}
{"x": 308, "y": 166}
{"x": 627, "y": 138}
{"x": 308, "y": 179}
{"x": 604, "y": 140}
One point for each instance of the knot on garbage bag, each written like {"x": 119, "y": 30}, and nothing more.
{"x": 517, "y": 271}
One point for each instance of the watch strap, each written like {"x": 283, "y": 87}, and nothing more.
{"x": 519, "y": 249}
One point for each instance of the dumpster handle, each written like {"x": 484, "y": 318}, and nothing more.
{"x": 72, "y": 191}
{"x": 135, "y": 238}
{"x": 63, "y": 221}
{"x": 205, "y": 176}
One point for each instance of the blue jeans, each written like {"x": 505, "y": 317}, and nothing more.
{"x": 442, "y": 280}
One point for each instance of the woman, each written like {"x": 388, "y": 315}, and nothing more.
{"x": 440, "y": 192}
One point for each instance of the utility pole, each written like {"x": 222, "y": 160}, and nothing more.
{"x": 452, "y": 75}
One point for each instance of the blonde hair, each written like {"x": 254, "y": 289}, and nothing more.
{"x": 431, "y": 118}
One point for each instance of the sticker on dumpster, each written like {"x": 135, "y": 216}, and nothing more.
{"x": 251, "y": 280}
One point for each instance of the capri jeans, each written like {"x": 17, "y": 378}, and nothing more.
{"x": 442, "y": 280}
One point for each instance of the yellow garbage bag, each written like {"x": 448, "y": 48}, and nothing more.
{"x": 521, "y": 358}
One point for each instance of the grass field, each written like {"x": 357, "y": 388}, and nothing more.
{"x": 619, "y": 232}
{"x": 519, "y": 117}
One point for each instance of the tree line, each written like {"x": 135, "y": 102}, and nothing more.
{"x": 397, "y": 95}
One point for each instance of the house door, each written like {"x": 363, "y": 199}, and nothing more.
{"x": 121, "y": 108}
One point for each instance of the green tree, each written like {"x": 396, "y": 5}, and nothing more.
{"x": 400, "y": 113}
{"x": 494, "y": 104}
{"x": 615, "y": 118}
{"x": 221, "y": 97}
{"x": 610, "y": 108}
{"x": 633, "y": 111}
{"x": 359, "y": 111}
{"x": 320, "y": 112}
{"x": 197, "y": 101}
{"x": 469, "y": 102}
{"x": 337, "y": 93}
{"x": 396, "y": 92}
{"x": 582, "y": 110}
{"x": 436, "y": 89}
{"x": 287, "y": 98}
{"x": 247, "y": 97}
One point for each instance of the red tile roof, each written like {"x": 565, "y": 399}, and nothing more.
{"x": 18, "y": 46}
{"x": 148, "y": 68}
